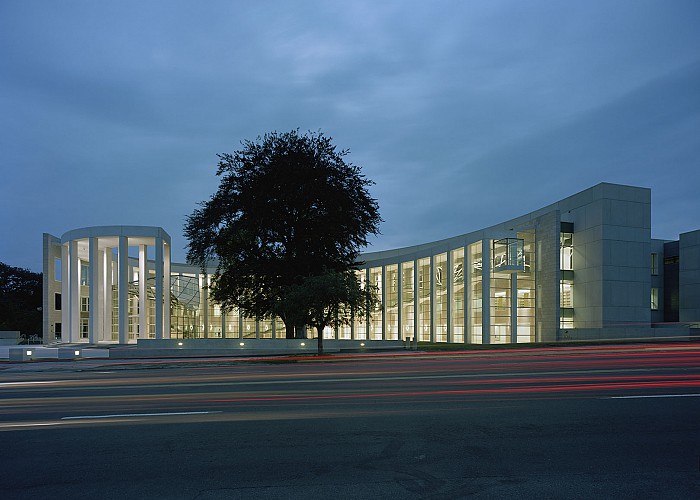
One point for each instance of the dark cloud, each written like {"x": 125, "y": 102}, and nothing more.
{"x": 463, "y": 113}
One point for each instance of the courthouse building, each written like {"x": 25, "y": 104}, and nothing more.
{"x": 584, "y": 267}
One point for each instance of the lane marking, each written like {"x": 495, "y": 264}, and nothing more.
{"x": 655, "y": 396}
{"x": 5, "y": 384}
{"x": 130, "y": 415}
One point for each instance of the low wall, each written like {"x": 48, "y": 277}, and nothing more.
{"x": 244, "y": 347}
{"x": 9, "y": 337}
{"x": 626, "y": 333}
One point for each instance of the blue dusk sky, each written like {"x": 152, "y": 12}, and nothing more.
{"x": 464, "y": 113}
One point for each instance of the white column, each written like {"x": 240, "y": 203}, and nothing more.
{"x": 94, "y": 294}
{"x": 74, "y": 299}
{"x": 399, "y": 302}
{"x": 514, "y": 308}
{"x": 65, "y": 293}
{"x": 486, "y": 291}
{"x": 449, "y": 276}
{"x": 143, "y": 297}
{"x": 416, "y": 303}
{"x": 107, "y": 269}
{"x": 159, "y": 287}
{"x": 204, "y": 299}
{"x": 383, "y": 278}
{"x": 123, "y": 284}
{"x": 166, "y": 291}
{"x": 431, "y": 292}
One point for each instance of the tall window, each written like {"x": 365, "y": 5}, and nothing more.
{"x": 57, "y": 269}
{"x": 440, "y": 282}
{"x": 375, "y": 316}
{"x": 526, "y": 291}
{"x": 424, "y": 300}
{"x": 654, "y": 299}
{"x": 391, "y": 307}
{"x": 566, "y": 252}
{"x": 360, "y": 321}
{"x": 457, "y": 310}
{"x": 654, "y": 264}
{"x": 407, "y": 296}
{"x": 475, "y": 292}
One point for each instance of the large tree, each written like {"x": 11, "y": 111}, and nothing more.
{"x": 288, "y": 207}
{"x": 20, "y": 300}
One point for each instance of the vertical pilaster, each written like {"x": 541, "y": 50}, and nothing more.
{"x": 416, "y": 302}
{"x": 143, "y": 298}
{"x": 432, "y": 298}
{"x": 108, "y": 270}
{"x": 384, "y": 284}
{"x": 204, "y": 294}
{"x": 399, "y": 284}
{"x": 514, "y": 308}
{"x": 65, "y": 293}
{"x": 74, "y": 298}
{"x": 450, "y": 292}
{"x": 166, "y": 289}
{"x": 159, "y": 287}
{"x": 486, "y": 291}
{"x": 94, "y": 293}
{"x": 123, "y": 284}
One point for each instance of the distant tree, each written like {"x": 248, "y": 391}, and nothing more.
{"x": 288, "y": 207}
{"x": 21, "y": 293}
{"x": 332, "y": 299}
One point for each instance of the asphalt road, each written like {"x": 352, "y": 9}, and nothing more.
{"x": 598, "y": 422}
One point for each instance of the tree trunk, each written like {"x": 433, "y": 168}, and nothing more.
{"x": 320, "y": 329}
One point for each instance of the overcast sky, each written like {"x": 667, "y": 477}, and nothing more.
{"x": 464, "y": 113}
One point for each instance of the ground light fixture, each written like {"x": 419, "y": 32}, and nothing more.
{"x": 242, "y": 344}
{"x": 179, "y": 344}
{"x": 76, "y": 352}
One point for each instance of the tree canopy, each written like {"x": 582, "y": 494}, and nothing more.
{"x": 288, "y": 207}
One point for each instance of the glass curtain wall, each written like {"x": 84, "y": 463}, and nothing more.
{"x": 232, "y": 327}
{"x": 407, "y": 301}
{"x": 391, "y": 306}
{"x": 500, "y": 308}
{"x": 457, "y": 310}
{"x": 566, "y": 285}
{"x": 440, "y": 296}
{"x": 248, "y": 328}
{"x": 265, "y": 326}
{"x": 280, "y": 329}
{"x": 375, "y": 316}
{"x": 526, "y": 291}
{"x": 475, "y": 292}
{"x": 424, "y": 300}
{"x": 360, "y": 322}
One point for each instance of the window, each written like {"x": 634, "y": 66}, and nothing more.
{"x": 654, "y": 299}
{"x": 85, "y": 304}
{"x": 57, "y": 269}
{"x": 654, "y": 264}
{"x": 57, "y": 301}
{"x": 566, "y": 257}
{"x": 84, "y": 328}
{"x": 84, "y": 274}
{"x": 57, "y": 330}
